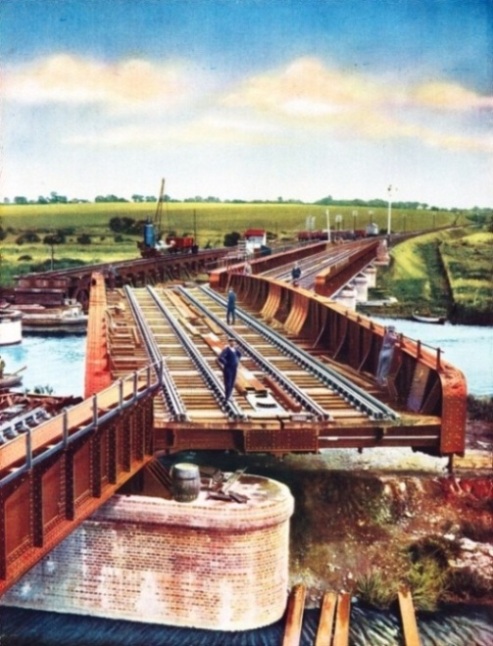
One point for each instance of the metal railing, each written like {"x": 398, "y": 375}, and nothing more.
{"x": 37, "y": 444}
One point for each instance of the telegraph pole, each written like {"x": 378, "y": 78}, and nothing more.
{"x": 389, "y": 211}
{"x": 327, "y": 213}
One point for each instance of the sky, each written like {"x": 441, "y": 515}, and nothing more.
{"x": 248, "y": 99}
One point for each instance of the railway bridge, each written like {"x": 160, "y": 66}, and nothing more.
{"x": 307, "y": 383}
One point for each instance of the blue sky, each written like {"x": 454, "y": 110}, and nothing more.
{"x": 251, "y": 99}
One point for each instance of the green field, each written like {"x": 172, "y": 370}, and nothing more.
{"x": 208, "y": 221}
{"x": 444, "y": 273}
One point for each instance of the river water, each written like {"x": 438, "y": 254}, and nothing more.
{"x": 467, "y": 347}
{"x": 57, "y": 362}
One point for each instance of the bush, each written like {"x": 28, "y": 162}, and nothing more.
{"x": 231, "y": 239}
{"x": 480, "y": 408}
{"x": 55, "y": 238}
{"x": 25, "y": 258}
{"x": 28, "y": 236}
{"x": 375, "y": 588}
{"x": 84, "y": 238}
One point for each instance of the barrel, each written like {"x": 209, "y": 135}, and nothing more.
{"x": 186, "y": 482}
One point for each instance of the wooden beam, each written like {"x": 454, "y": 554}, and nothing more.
{"x": 341, "y": 634}
{"x": 408, "y": 616}
{"x": 326, "y": 621}
{"x": 294, "y": 616}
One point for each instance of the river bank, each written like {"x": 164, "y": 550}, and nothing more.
{"x": 444, "y": 273}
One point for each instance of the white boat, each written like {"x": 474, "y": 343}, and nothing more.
{"x": 10, "y": 326}
{"x": 68, "y": 317}
{"x": 437, "y": 320}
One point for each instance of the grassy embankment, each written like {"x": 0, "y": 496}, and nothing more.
{"x": 210, "y": 221}
{"x": 446, "y": 273}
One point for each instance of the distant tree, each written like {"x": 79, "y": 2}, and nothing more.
{"x": 42, "y": 200}
{"x": 137, "y": 198}
{"x": 109, "y": 198}
{"x": 84, "y": 238}
{"x": 20, "y": 199}
{"x": 28, "y": 236}
{"x": 119, "y": 224}
{"x": 231, "y": 239}
{"x": 54, "y": 238}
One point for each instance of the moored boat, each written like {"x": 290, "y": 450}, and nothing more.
{"x": 437, "y": 320}
{"x": 10, "y": 381}
{"x": 69, "y": 317}
{"x": 10, "y": 326}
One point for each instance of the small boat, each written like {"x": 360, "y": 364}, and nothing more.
{"x": 10, "y": 326}
{"x": 437, "y": 320}
{"x": 68, "y": 317}
{"x": 10, "y": 381}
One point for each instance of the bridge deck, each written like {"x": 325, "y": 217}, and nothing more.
{"x": 288, "y": 396}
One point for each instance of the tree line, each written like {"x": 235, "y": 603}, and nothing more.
{"x": 137, "y": 198}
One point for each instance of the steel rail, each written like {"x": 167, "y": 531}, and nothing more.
{"x": 305, "y": 400}
{"x": 354, "y": 395}
{"x": 171, "y": 394}
{"x": 165, "y": 259}
{"x": 232, "y": 409}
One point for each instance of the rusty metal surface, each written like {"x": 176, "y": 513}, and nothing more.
{"x": 51, "y": 288}
{"x": 355, "y": 346}
{"x": 43, "y": 505}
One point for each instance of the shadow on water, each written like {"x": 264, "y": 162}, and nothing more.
{"x": 454, "y": 626}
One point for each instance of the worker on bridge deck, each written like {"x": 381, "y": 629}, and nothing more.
{"x": 229, "y": 360}
{"x": 296, "y": 273}
{"x": 231, "y": 307}
{"x": 389, "y": 342}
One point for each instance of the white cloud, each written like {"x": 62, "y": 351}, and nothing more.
{"x": 128, "y": 85}
{"x": 312, "y": 96}
{"x": 449, "y": 96}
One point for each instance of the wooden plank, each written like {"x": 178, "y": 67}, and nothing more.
{"x": 409, "y": 624}
{"x": 326, "y": 621}
{"x": 341, "y": 634}
{"x": 294, "y": 616}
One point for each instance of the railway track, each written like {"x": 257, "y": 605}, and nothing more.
{"x": 277, "y": 380}
{"x": 312, "y": 265}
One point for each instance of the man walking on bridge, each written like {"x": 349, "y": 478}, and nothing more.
{"x": 229, "y": 360}
{"x": 231, "y": 307}
{"x": 296, "y": 273}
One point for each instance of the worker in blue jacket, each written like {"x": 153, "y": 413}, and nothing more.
{"x": 229, "y": 360}
{"x": 231, "y": 307}
{"x": 296, "y": 273}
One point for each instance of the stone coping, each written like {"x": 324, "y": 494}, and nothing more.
{"x": 269, "y": 503}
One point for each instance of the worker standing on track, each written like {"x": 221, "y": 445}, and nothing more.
{"x": 229, "y": 360}
{"x": 2, "y": 367}
{"x": 296, "y": 273}
{"x": 231, "y": 307}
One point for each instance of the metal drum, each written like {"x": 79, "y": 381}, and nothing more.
{"x": 186, "y": 482}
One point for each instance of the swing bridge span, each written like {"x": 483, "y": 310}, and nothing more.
{"x": 306, "y": 383}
